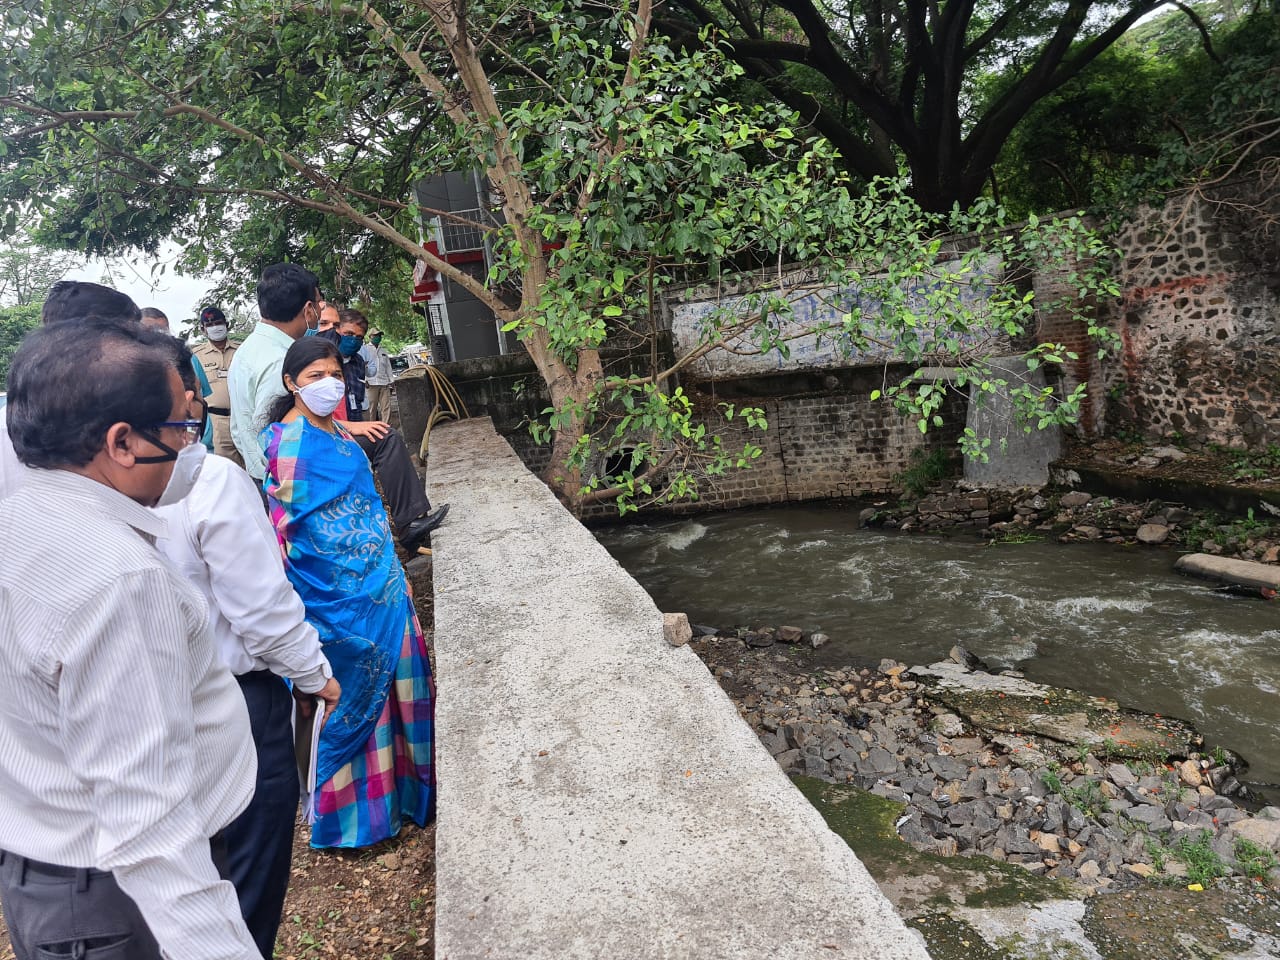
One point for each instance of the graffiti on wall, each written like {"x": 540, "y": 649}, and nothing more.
{"x": 826, "y": 326}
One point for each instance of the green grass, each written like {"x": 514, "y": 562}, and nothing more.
{"x": 1158, "y": 852}
{"x": 1223, "y": 531}
{"x": 1253, "y": 860}
{"x": 1052, "y": 778}
{"x": 1202, "y": 862}
{"x": 1087, "y": 798}
{"x": 1016, "y": 536}
{"x": 1254, "y": 464}
{"x": 925, "y": 470}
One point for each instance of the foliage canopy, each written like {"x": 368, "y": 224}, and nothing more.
{"x": 902, "y": 81}
{"x": 253, "y": 130}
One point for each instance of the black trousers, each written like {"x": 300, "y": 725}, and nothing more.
{"x": 260, "y": 840}
{"x": 80, "y": 914}
{"x": 405, "y": 494}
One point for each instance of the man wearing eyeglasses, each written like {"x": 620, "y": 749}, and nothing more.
{"x": 67, "y": 302}
{"x": 125, "y": 746}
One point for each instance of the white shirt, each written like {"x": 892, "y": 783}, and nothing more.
{"x": 254, "y": 382}
{"x": 221, "y": 542}
{"x": 13, "y": 472}
{"x": 378, "y": 364}
{"x": 124, "y": 743}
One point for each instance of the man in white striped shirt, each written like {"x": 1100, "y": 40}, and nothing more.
{"x": 124, "y": 742}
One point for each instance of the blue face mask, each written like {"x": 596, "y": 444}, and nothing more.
{"x": 310, "y": 332}
{"x": 349, "y": 346}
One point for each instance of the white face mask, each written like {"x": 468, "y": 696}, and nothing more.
{"x": 186, "y": 471}
{"x": 323, "y": 396}
{"x": 216, "y": 332}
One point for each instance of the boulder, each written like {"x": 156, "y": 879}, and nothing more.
{"x": 1265, "y": 833}
{"x": 996, "y": 704}
{"x": 1243, "y": 573}
{"x": 966, "y": 659}
{"x": 1121, "y": 775}
{"x": 1189, "y": 773}
{"x": 1153, "y": 533}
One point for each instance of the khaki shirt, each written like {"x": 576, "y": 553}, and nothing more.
{"x": 216, "y": 363}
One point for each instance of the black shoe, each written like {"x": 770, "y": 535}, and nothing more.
{"x": 418, "y": 530}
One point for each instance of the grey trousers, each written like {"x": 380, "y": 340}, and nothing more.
{"x": 379, "y": 397}
{"x": 54, "y": 912}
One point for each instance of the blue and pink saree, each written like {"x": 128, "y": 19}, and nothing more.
{"x": 375, "y": 762}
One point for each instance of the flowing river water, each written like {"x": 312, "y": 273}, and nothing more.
{"x": 1102, "y": 618}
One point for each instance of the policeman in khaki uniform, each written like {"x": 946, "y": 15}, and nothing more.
{"x": 215, "y": 357}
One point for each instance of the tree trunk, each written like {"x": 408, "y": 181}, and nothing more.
{"x": 571, "y": 390}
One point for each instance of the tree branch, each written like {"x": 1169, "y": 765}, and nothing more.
{"x": 1205, "y": 40}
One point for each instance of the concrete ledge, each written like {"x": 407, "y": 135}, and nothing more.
{"x": 599, "y": 796}
{"x": 1225, "y": 570}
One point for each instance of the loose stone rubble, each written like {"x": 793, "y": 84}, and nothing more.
{"x": 1072, "y": 517}
{"x": 1072, "y": 789}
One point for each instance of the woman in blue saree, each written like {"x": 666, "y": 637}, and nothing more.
{"x": 375, "y": 762}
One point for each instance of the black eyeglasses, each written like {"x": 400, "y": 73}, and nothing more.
{"x": 194, "y": 429}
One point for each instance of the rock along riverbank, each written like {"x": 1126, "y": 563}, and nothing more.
{"x": 967, "y": 793}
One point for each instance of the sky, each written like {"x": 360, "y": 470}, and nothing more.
{"x": 179, "y": 297}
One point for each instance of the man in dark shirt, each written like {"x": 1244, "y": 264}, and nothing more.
{"x": 348, "y": 334}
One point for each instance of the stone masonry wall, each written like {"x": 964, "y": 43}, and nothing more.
{"x": 1198, "y": 324}
{"x": 1199, "y": 330}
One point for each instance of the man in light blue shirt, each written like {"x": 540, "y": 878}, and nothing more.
{"x": 378, "y": 377}
{"x": 289, "y": 302}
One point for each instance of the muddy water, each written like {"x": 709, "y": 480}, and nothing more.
{"x": 1110, "y": 620}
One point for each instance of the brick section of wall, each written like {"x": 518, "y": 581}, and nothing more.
{"x": 818, "y": 446}
{"x": 822, "y": 442}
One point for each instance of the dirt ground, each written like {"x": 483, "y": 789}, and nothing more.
{"x": 1206, "y": 464}
{"x": 372, "y": 904}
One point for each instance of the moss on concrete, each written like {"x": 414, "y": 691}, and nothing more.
{"x": 1231, "y": 919}
{"x": 950, "y": 938}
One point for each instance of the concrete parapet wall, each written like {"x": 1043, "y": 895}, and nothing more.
{"x": 599, "y": 795}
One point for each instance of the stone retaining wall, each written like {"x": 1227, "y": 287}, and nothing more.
{"x": 1199, "y": 333}
{"x": 1199, "y": 330}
